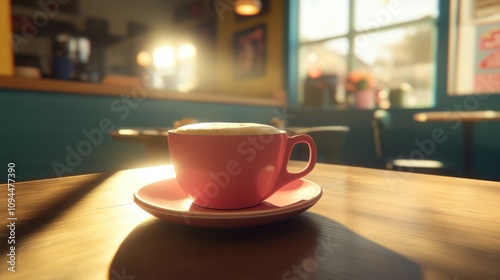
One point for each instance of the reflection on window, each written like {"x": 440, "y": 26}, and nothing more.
{"x": 384, "y": 55}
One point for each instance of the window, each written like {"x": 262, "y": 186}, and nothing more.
{"x": 390, "y": 41}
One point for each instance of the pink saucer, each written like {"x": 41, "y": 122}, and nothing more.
{"x": 166, "y": 200}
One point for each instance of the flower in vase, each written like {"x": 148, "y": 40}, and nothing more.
{"x": 359, "y": 80}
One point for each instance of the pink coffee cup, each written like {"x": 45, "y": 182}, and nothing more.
{"x": 234, "y": 171}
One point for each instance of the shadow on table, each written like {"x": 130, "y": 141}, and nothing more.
{"x": 308, "y": 246}
{"x": 53, "y": 208}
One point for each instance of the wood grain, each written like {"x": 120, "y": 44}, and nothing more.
{"x": 369, "y": 224}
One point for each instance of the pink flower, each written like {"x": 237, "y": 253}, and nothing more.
{"x": 358, "y": 80}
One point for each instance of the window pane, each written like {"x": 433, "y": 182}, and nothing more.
{"x": 322, "y": 68}
{"x": 400, "y": 58}
{"x": 372, "y": 14}
{"x": 320, "y": 19}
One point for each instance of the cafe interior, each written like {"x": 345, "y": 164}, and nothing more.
{"x": 145, "y": 66}
{"x": 89, "y": 90}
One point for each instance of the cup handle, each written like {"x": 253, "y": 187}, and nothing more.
{"x": 286, "y": 177}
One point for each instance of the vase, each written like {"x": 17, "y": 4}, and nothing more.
{"x": 365, "y": 98}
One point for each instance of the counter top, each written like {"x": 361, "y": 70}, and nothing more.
{"x": 73, "y": 87}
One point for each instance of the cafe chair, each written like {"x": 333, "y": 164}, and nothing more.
{"x": 382, "y": 124}
{"x": 329, "y": 141}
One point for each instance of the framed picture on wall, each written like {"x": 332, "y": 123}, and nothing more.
{"x": 474, "y": 47}
{"x": 250, "y": 52}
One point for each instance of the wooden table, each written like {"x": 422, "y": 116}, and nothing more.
{"x": 369, "y": 224}
{"x": 467, "y": 119}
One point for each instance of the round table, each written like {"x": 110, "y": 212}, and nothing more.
{"x": 467, "y": 119}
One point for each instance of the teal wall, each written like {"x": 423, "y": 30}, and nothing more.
{"x": 37, "y": 127}
{"x": 359, "y": 149}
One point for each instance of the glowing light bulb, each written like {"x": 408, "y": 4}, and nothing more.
{"x": 144, "y": 59}
{"x": 247, "y": 7}
{"x": 186, "y": 51}
{"x": 164, "y": 57}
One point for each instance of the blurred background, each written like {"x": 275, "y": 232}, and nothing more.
{"x": 75, "y": 75}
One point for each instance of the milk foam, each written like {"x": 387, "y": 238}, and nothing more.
{"x": 226, "y": 128}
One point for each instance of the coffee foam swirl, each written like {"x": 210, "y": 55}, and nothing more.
{"x": 226, "y": 128}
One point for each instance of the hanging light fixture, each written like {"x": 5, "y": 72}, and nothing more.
{"x": 247, "y": 7}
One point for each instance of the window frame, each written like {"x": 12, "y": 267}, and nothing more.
{"x": 294, "y": 44}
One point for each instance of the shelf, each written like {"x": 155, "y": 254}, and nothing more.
{"x": 72, "y": 87}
